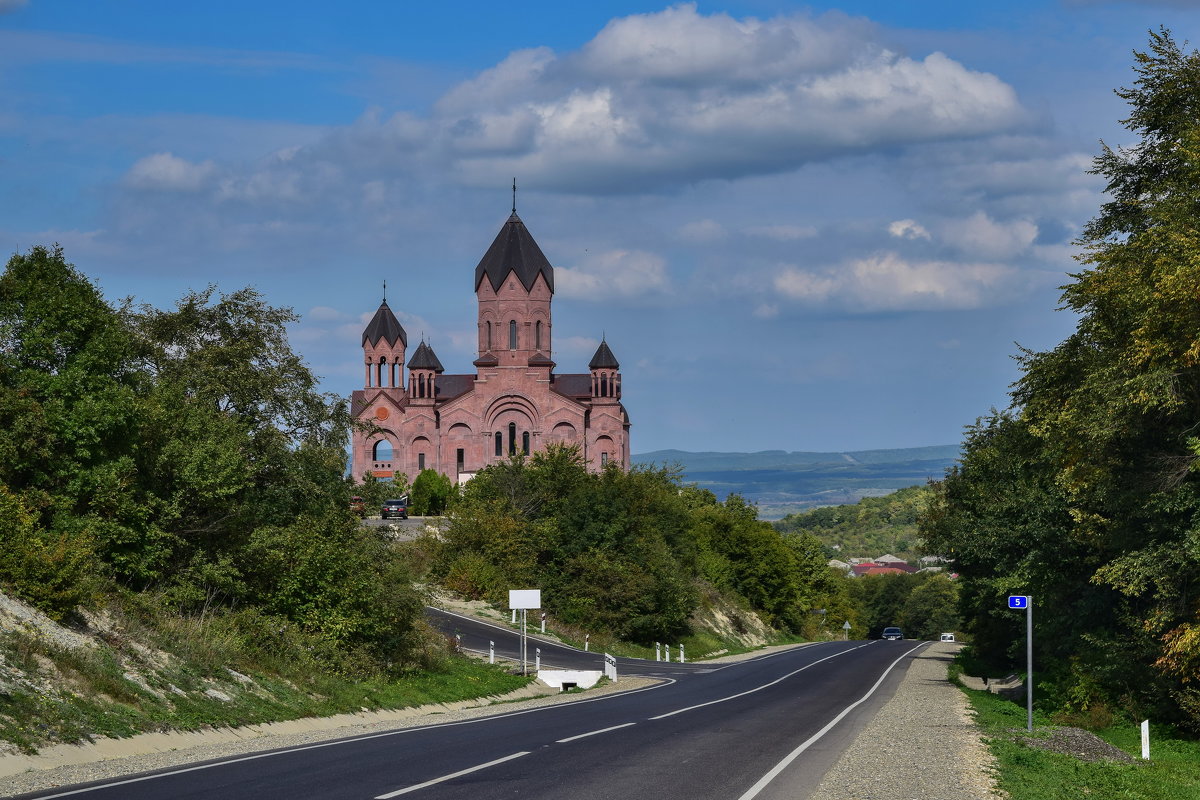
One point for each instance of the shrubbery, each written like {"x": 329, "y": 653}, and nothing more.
{"x": 185, "y": 454}
{"x": 621, "y": 553}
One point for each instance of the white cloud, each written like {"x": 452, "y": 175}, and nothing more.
{"x": 575, "y": 345}
{"x": 908, "y": 229}
{"x": 885, "y": 282}
{"x": 766, "y": 310}
{"x": 324, "y": 314}
{"x": 980, "y": 236}
{"x": 164, "y": 171}
{"x": 674, "y": 97}
{"x": 616, "y": 273}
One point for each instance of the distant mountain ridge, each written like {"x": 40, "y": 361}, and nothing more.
{"x": 782, "y": 482}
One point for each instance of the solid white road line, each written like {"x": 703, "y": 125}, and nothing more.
{"x": 782, "y": 765}
{"x": 759, "y": 688}
{"x": 593, "y": 733}
{"x": 451, "y": 776}
{"x": 353, "y": 739}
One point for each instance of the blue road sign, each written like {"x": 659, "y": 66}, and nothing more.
{"x": 1018, "y": 601}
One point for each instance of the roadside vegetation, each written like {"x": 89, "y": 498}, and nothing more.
{"x": 1085, "y": 492}
{"x": 1061, "y": 762}
{"x": 867, "y": 529}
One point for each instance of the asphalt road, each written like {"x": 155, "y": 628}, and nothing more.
{"x": 767, "y": 728}
{"x": 476, "y": 637}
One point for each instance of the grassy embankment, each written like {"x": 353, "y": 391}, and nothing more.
{"x": 1028, "y": 773}
{"x": 184, "y": 676}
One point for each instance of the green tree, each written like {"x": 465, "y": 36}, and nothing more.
{"x": 1093, "y": 474}
{"x": 931, "y": 608}
{"x": 431, "y": 493}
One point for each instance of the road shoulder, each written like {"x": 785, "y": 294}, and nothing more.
{"x": 922, "y": 743}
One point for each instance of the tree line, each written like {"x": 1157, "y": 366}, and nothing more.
{"x": 183, "y": 457}
{"x": 1085, "y": 492}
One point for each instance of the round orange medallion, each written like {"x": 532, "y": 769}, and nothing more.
{"x": 381, "y": 413}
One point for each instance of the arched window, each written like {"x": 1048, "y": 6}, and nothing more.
{"x": 379, "y": 371}
{"x": 512, "y": 438}
{"x": 512, "y": 334}
{"x": 604, "y": 385}
{"x": 382, "y": 451}
{"x": 525, "y": 442}
{"x": 537, "y": 335}
{"x": 499, "y": 444}
{"x": 488, "y": 346}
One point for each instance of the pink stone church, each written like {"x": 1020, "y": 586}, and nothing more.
{"x": 514, "y": 401}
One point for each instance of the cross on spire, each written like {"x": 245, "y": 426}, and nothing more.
{"x": 385, "y": 290}
{"x": 514, "y": 195}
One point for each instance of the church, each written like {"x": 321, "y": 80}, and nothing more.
{"x": 514, "y": 401}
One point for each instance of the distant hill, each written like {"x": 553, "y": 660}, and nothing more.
{"x": 783, "y": 483}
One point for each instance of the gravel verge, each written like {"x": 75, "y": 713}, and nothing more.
{"x": 922, "y": 744}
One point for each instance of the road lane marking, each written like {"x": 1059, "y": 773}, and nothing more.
{"x": 792, "y": 756}
{"x": 593, "y": 733}
{"x": 450, "y": 777}
{"x": 758, "y": 688}
{"x": 354, "y": 739}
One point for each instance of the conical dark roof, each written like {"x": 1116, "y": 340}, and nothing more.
{"x": 604, "y": 358}
{"x": 424, "y": 358}
{"x": 514, "y": 250}
{"x": 384, "y": 325}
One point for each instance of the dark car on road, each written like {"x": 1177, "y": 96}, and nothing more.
{"x": 892, "y": 634}
{"x": 395, "y": 509}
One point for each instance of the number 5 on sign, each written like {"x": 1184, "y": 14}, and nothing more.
{"x": 1018, "y": 601}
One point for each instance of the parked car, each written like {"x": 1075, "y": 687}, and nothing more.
{"x": 947, "y": 637}
{"x": 358, "y": 506}
{"x": 892, "y": 634}
{"x": 395, "y": 509}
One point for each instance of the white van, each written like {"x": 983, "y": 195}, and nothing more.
{"x": 947, "y": 637}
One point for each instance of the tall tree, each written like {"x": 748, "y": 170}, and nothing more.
{"x": 1096, "y": 470}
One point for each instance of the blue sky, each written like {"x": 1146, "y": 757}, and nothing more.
{"x": 800, "y": 226}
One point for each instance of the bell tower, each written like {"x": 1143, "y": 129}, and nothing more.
{"x": 383, "y": 343}
{"x": 514, "y": 284}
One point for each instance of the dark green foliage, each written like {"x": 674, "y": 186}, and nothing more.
{"x": 1086, "y": 494}
{"x": 183, "y": 451}
{"x": 867, "y": 529}
{"x": 431, "y": 493}
{"x": 923, "y": 604}
{"x": 625, "y": 554}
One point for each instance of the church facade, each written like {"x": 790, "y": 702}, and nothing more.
{"x": 514, "y": 401}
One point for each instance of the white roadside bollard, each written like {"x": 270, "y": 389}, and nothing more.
{"x": 657, "y": 651}
{"x": 491, "y": 652}
{"x": 543, "y": 622}
{"x": 680, "y": 654}
{"x": 1146, "y": 740}
{"x": 514, "y": 616}
{"x": 587, "y": 640}
{"x": 537, "y": 659}
{"x": 667, "y": 653}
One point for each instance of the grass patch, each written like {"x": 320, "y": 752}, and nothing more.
{"x": 70, "y": 696}
{"x": 1026, "y": 773}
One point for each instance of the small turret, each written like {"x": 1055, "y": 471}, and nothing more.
{"x": 383, "y": 343}
{"x": 423, "y": 370}
{"x": 606, "y": 379}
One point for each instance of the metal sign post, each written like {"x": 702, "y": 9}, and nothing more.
{"x": 846, "y": 631}
{"x": 524, "y": 599}
{"x": 1026, "y": 602}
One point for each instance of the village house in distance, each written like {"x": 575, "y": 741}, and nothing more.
{"x": 514, "y": 402}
